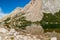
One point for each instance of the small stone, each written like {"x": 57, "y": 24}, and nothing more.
{"x": 3, "y": 30}
{"x": 53, "y": 38}
{"x": 25, "y": 38}
{"x": 0, "y": 38}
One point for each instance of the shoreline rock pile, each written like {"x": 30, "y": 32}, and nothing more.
{"x": 14, "y": 35}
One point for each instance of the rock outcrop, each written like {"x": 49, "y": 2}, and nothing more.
{"x": 51, "y": 6}
{"x": 32, "y": 10}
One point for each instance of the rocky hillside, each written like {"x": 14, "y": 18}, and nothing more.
{"x": 25, "y": 21}
{"x": 28, "y": 16}
{"x": 25, "y": 24}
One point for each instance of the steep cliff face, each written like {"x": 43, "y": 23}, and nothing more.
{"x": 34, "y": 12}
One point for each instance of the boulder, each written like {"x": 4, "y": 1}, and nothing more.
{"x": 34, "y": 29}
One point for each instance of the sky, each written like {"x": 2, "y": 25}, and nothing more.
{"x": 6, "y": 6}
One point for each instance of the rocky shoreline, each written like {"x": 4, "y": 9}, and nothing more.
{"x": 12, "y": 34}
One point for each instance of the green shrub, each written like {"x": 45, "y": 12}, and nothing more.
{"x": 51, "y": 21}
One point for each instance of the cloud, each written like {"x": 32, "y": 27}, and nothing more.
{"x": 2, "y": 14}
